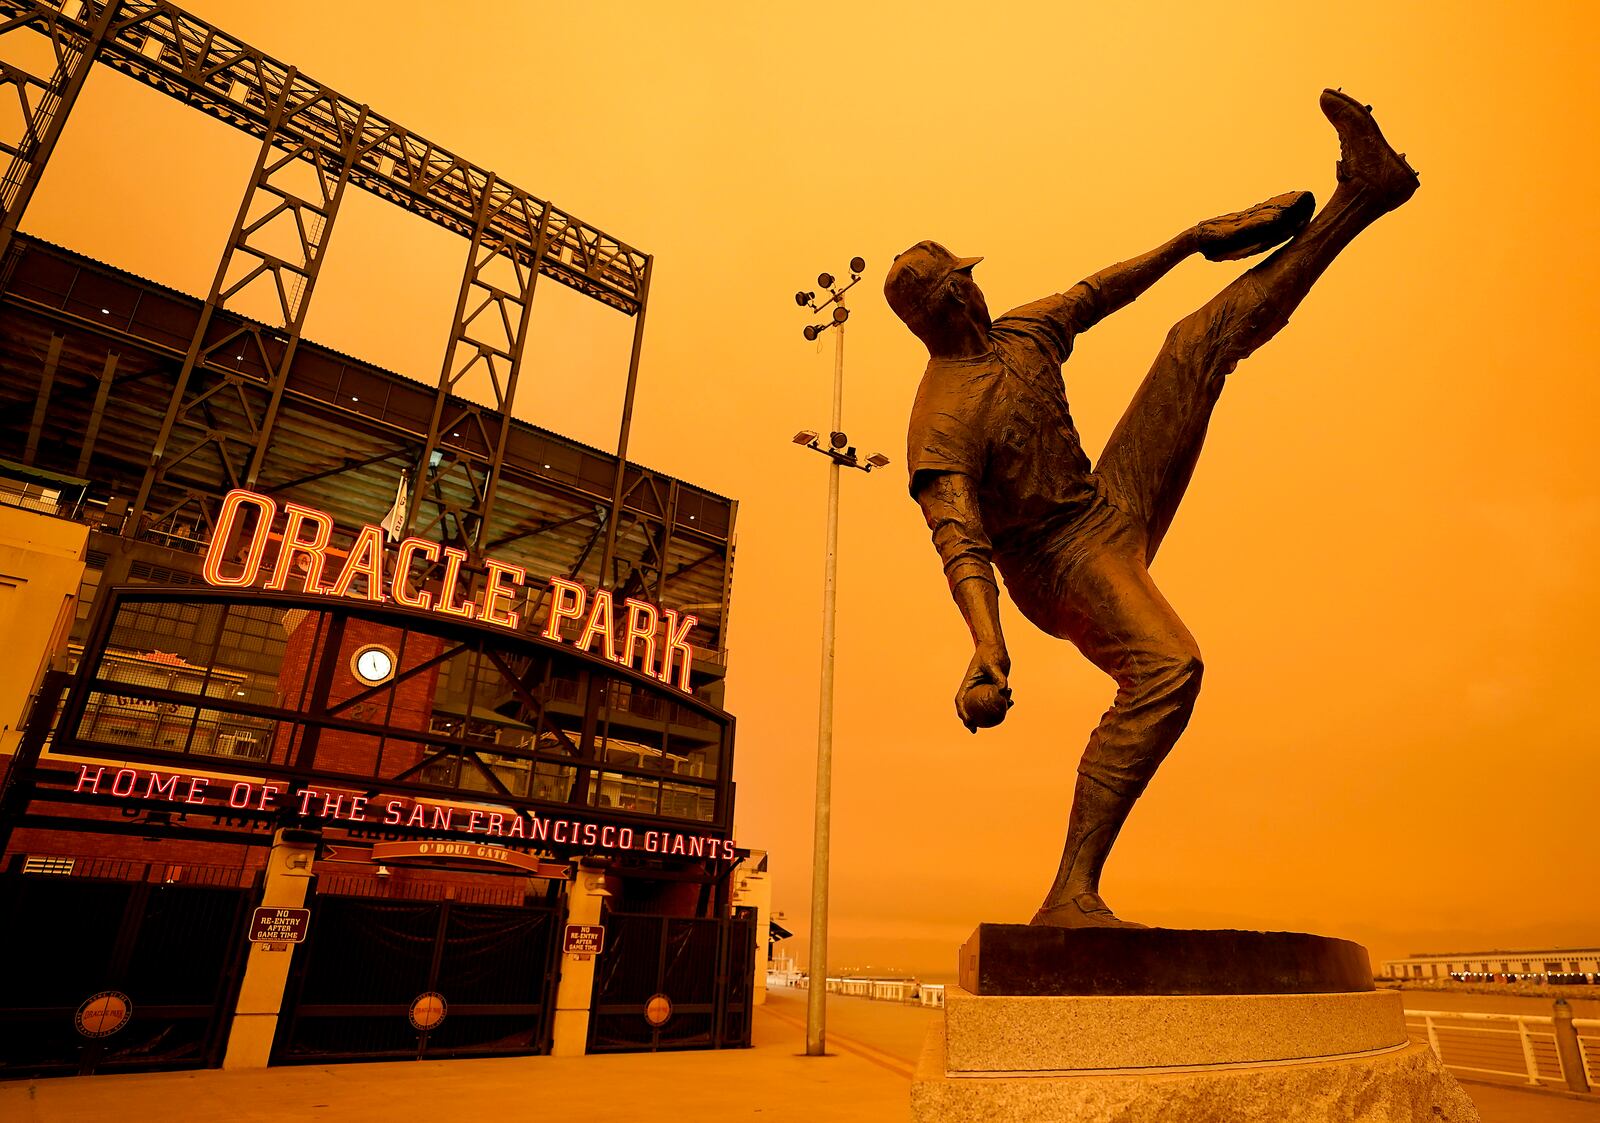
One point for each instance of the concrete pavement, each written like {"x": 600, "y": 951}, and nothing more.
{"x": 1515, "y": 1105}
{"x": 873, "y": 1048}
{"x": 773, "y": 1081}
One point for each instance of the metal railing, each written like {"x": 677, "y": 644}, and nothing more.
{"x": 46, "y": 503}
{"x": 1533, "y": 1049}
{"x": 423, "y": 888}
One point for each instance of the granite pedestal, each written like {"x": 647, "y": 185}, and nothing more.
{"x": 1130, "y": 1025}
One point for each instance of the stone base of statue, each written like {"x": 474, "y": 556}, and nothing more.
{"x": 1292, "y": 1031}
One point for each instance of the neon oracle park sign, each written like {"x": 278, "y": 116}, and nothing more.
{"x": 634, "y": 634}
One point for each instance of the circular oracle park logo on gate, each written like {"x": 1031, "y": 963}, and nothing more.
{"x": 658, "y": 1010}
{"x": 428, "y": 1010}
{"x": 103, "y": 1014}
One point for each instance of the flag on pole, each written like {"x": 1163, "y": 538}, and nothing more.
{"x": 394, "y": 523}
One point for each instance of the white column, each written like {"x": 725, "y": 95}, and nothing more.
{"x": 255, "y": 1015}
{"x": 575, "y": 993}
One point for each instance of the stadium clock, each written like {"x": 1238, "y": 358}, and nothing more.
{"x": 373, "y": 664}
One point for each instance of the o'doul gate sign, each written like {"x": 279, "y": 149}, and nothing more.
{"x": 472, "y": 852}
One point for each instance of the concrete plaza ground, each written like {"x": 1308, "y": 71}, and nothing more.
{"x": 874, "y": 1046}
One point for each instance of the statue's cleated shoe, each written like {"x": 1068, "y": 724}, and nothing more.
{"x": 1366, "y": 161}
{"x": 1250, "y": 231}
{"x": 1086, "y": 910}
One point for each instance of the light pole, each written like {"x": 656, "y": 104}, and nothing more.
{"x": 840, "y": 454}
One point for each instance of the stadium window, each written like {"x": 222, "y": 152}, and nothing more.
{"x": 34, "y": 864}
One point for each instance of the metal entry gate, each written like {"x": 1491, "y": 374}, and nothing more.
{"x": 116, "y": 976}
{"x": 383, "y": 979}
{"x": 667, "y": 982}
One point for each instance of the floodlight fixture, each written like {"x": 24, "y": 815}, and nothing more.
{"x": 802, "y": 298}
{"x": 858, "y": 265}
{"x": 804, "y": 437}
{"x": 878, "y": 460}
{"x": 838, "y": 440}
{"x": 811, "y": 331}
{"x": 840, "y": 314}
{"x": 825, "y": 280}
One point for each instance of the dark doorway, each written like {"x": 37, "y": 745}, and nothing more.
{"x": 381, "y": 979}
{"x": 669, "y": 982}
{"x": 153, "y": 967}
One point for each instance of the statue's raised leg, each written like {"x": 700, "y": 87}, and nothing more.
{"x": 1152, "y": 452}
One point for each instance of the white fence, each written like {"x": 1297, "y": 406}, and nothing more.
{"x": 883, "y": 990}
{"x": 1531, "y": 1049}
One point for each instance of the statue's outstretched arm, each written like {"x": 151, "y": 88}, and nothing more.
{"x": 949, "y": 502}
{"x": 1056, "y": 319}
{"x": 1117, "y": 286}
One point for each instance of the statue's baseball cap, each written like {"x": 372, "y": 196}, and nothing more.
{"x": 917, "y": 275}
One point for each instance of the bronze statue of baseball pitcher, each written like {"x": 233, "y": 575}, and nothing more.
{"x": 1000, "y": 475}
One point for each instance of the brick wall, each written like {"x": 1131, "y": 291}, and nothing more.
{"x": 164, "y": 854}
{"x": 407, "y": 704}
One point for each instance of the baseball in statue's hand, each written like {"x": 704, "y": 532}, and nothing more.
{"x": 985, "y": 705}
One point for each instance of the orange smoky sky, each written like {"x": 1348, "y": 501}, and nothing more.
{"x": 1389, "y": 551}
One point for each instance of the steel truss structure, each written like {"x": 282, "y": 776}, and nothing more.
{"x": 168, "y": 402}
{"x": 585, "y": 717}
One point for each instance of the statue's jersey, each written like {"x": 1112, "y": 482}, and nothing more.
{"x": 1002, "y": 420}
